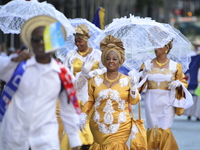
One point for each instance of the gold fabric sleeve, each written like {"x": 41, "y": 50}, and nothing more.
{"x": 179, "y": 90}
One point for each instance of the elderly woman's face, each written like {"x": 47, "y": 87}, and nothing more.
{"x": 37, "y": 42}
{"x": 112, "y": 61}
{"x": 81, "y": 44}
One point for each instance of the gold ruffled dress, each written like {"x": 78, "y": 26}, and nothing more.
{"x": 110, "y": 122}
{"x": 161, "y": 105}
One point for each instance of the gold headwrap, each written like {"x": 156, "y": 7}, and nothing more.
{"x": 110, "y": 43}
{"x": 82, "y": 32}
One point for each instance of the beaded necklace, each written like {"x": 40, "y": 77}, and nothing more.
{"x": 111, "y": 81}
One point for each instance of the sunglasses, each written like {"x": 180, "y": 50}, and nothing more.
{"x": 36, "y": 39}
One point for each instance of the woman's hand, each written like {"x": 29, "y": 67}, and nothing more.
{"x": 174, "y": 84}
{"x": 83, "y": 118}
{"x": 87, "y": 65}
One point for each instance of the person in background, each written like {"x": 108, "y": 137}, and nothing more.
{"x": 74, "y": 61}
{"x": 30, "y": 121}
{"x": 193, "y": 78}
{"x": 3, "y": 52}
{"x": 110, "y": 94}
{"x": 165, "y": 96}
{"x": 11, "y": 50}
{"x": 23, "y": 48}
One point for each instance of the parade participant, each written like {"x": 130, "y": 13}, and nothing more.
{"x": 165, "y": 95}
{"x": 193, "y": 80}
{"x": 109, "y": 95}
{"x": 74, "y": 61}
{"x": 30, "y": 121}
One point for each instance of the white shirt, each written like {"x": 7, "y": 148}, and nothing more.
{"x": 30, "y": 120}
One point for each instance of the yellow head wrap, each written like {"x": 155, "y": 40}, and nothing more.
{"x": 110, "y": 43}
{"x": 82, "y": 32}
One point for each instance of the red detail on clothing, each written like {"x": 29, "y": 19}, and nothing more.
{"x": 69, "y": 87}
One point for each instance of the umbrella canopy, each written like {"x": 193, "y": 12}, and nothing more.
{"x": 15, "y": 13}
{"x": 94, "y": 31}
{"x": 141, "y": 36}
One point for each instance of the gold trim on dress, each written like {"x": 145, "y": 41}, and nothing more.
{"x": 156, "y": 85}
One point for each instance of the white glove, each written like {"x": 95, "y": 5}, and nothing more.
{"x": 69, "y": 62}
{"x": 146, "y": 69}
{"x": 135, "y": 90}
{"x": 133, "y": 74}
{"x": 92, "y": 73}
{"x": 87, "y": 65}
{"x": 133, "y": 81}
{"x": 144, "y": 73}
{"x": 174, "y": 84}
{"x": 83, "y": 118}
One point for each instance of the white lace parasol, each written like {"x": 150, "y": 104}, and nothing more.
{"x": 95, "y": 32}
{"x": 141, "y": 36}
{"x": 15, "y": 13}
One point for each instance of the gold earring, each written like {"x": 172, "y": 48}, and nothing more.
{"x": 166, "y": 52}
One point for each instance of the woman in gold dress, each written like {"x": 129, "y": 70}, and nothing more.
{"x": 75, "y": 61}
{"x": 109, "y": 95}
{"x": 165, "y": 96}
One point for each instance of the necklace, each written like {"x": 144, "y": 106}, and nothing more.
{"x": 83, "y": 53}
{"x": 161, "y": 64}
{"x": 111, "y": 81}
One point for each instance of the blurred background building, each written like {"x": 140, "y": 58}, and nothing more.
{"x": 167, "y": 11}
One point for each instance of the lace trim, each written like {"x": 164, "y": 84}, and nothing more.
{"x": 134, "y": 131}
{"x": 80, "y": 82}
{"x": 96, "y": 116}
{"x": 83, "y": 118}
{"x": 108, "y": 118}
{"x": 107, "y": 130}
{"x": 98, "y": 80}
{"x": 121, "y": 104}
{"x": 108, "y": 109}
{"x": 81, "y": 86}
{"x": 123, "y": 82}
{"x": 122, "y": 117}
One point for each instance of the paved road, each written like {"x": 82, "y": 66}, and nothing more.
{"x": 186, "y": 133}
